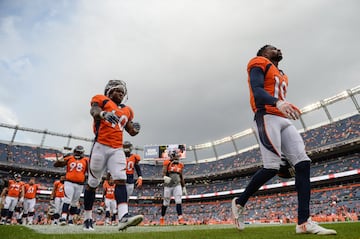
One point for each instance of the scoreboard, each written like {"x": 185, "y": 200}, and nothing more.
{"x": 158, "y": 152}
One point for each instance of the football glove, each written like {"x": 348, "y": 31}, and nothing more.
{"x": 184, "y": 191}
{"x": 167, "y": 179}
{"x": 288, "y": 110}
{"x": 21, "y": 200}
{"x": 136, "y": 126}
{"x": 110, "y": 117}
{"x": 139, "y": 182}
{"x": 286, "y": 169}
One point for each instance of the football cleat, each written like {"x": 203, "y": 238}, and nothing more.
{"x": 312, "y": 227}
{"x": 129, "y": 221}
{"x": 88, "y": 225}
{"x": 62, "y": 221}
{"x": 238, "y": 214}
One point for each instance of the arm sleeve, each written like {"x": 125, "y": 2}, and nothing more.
{"x": 138, "y": 170}
{"x": 257, "y": 85}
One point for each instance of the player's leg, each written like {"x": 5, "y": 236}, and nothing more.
{"x": 31, "y": 211}
{"x": 177, "y": 192}
{"x": 129, "y": 190}
{"x": 113, "y": 210}
{"x": 13, "y": 203}
{"x": 78, "y": 188}
{"x": 117, "y": 165}
{"x": 294, "y": 149}
{"x": 166, "y": 202}
{"x": 26, "y": 206}
{"x": 107, "y": 211}
{"x": 97, "y": 167}
{"x": 69, "y": 189}
{"x": 268, "y": 129}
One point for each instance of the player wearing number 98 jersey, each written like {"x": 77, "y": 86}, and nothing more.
{"x": 76, "y": 169}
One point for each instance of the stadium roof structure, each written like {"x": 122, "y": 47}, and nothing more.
{"x": 226, "y": 146}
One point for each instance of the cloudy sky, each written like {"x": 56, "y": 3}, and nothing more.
{"x": 184, "y": 61}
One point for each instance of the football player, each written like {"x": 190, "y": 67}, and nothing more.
{"x": 111, "y": 119}
{"x": 14, "y": 194}
{"x": 132, "y": 165}
{"x": 109, "y": 200}
{"x": 174, "y": 184}
{"x": 76, "y": 169}
{"x": 277, "y": 135}
{"x": 31, "y": 189}
{"x": 57, "y": 198}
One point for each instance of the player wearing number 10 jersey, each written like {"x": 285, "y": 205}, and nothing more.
{"x": 76, "y": 169}
{"x": 277, "y": 136}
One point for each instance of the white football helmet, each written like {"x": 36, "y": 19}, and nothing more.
{"x": 100, "y": 210}
{"x": 51, "y": 211}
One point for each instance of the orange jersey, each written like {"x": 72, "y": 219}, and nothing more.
{"x": 105, "y": 132}
{"x": 275, "y": 84}
{"x": 173, "y": 167}
{"x": 130, "y": 163}
{"x": 109, "y": 190}
{"x": 31, "y": 190}
{"x": 15, "y": 188}
{"x": 59, "y": 189}
{"x": 76, "y": 169}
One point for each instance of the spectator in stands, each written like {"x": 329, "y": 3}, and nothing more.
{"x": 14, "y": 194}
{"x": 76, "y": 169}
{"x": 57, "y": 199}
{"x": 132, "y": 165}
{"x": 277, "y": 136}
{"x": 174, "y": 185}
{"x": 111, "y": 118}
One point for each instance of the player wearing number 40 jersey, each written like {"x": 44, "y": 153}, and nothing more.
{"x": 277, "y": 136}
{"x": 111, "y": 119}
{"x": 76, "y": 169}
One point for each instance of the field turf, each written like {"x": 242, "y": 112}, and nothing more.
{"x": 349, "y": 230}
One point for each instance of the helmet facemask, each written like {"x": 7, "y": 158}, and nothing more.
{"x": 79, "y": 152}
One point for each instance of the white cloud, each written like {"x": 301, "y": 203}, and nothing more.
{"x": 184, "y": 61}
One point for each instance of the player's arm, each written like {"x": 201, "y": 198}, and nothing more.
{"x": 95, "y": 111}
{"x": 164, "y": 170}
{"x": 138, "y": 169}
{"x": 22, "y": 192}
{"x": 182, "y": 181}
{"x": 60, "y": 163}
{"x": 133, "y": 128}
{"x": 261, "y": 96}
{"x": 138, "y": 172}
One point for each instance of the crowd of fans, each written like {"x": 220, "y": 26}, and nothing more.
{"x": 329, "y": 134}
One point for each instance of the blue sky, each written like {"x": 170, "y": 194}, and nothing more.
{"x": 184, "y": 61}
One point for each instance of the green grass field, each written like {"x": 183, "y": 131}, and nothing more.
{"x": 349, "y": 230}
